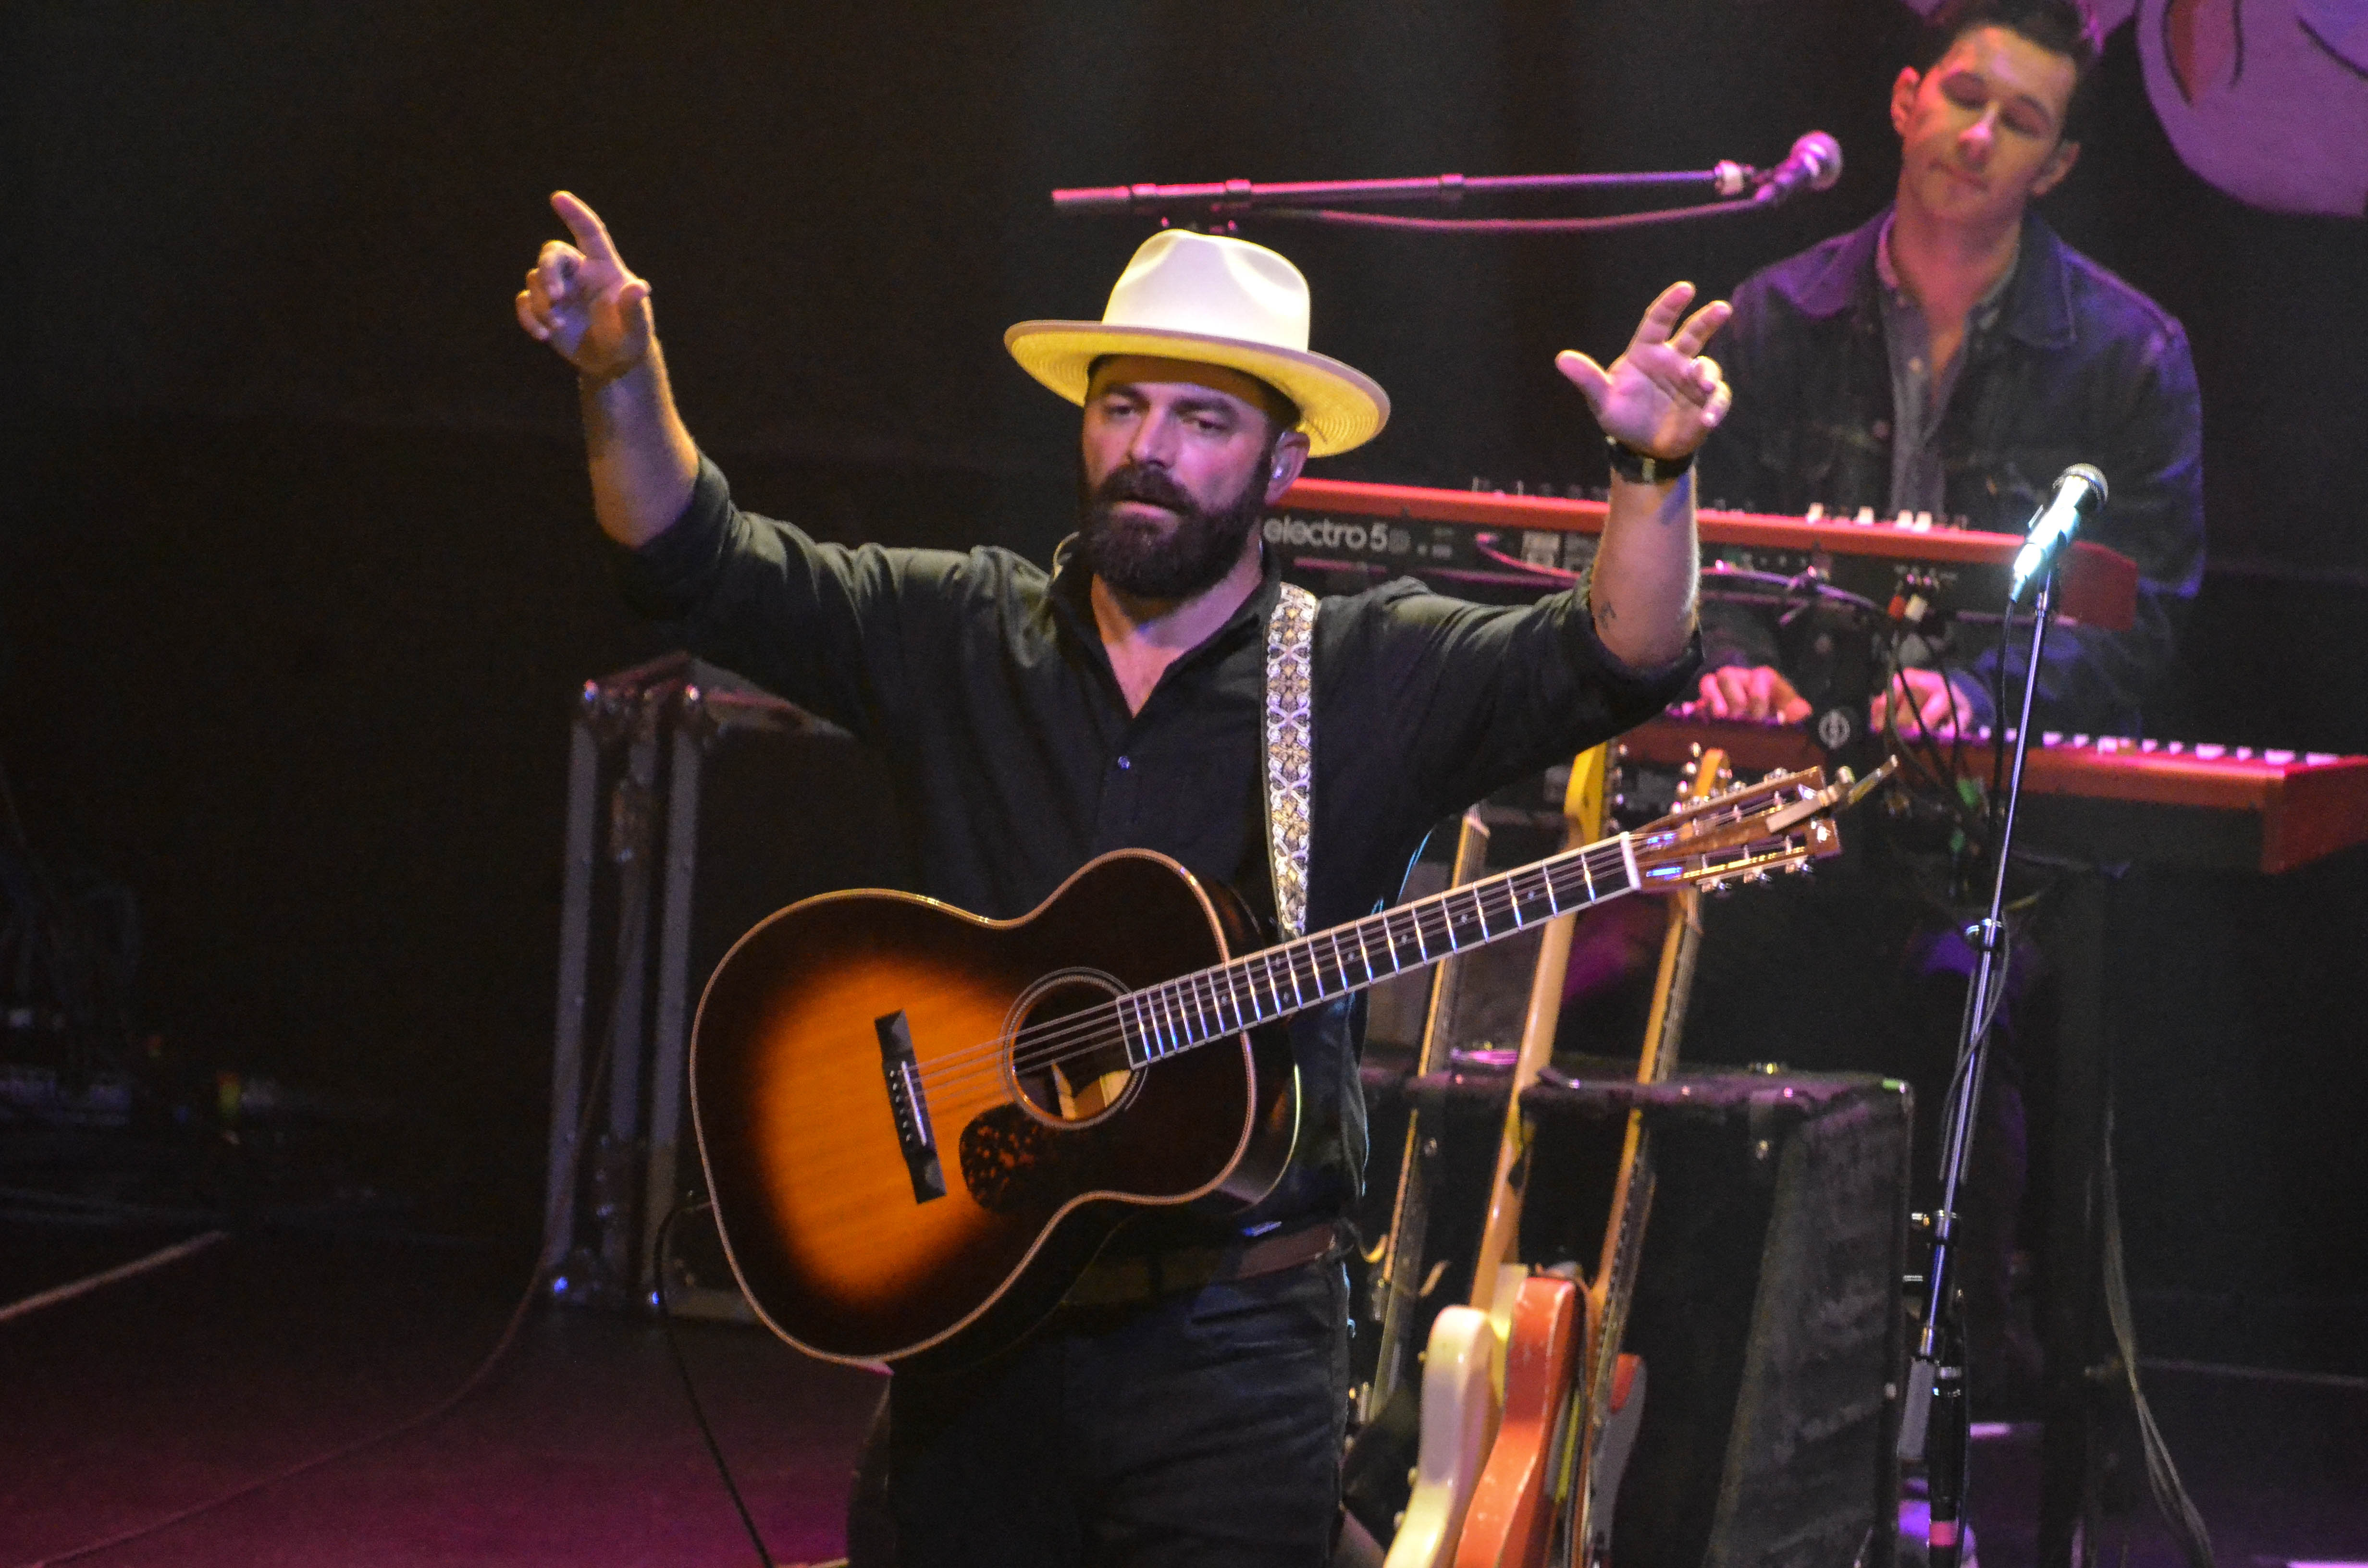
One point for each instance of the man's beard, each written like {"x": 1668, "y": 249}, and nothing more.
{"x": 1136, "y": 557}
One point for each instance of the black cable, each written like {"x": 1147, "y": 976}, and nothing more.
{"x": 442, "y": 1408}
{"x": 2169, "y": 1494}
{"x": 689, "y": 1388}
{"x": 433, "y": 1412}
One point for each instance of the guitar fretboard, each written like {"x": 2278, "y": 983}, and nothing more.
{"x": 1161, "y": 1020}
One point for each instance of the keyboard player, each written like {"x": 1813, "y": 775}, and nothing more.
{"x": 1950, "y": 356}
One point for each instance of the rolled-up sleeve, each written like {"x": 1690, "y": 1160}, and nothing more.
{"x": 1484, "y": 694}
{"x": 832, "y": 628}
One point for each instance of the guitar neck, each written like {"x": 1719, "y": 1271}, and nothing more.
{"x": 1631, "y": 1203}
{"x": 1398, "y": 1281}
{"x": 1632, "y": 1200}
{"x": 1212, "y": 1004}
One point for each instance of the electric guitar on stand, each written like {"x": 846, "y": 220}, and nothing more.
{"x": 919, "y": 1125}
{"x": 1447, "y": 1419}
{"x": 1541, "y": 1335}
{"x": 1453, "y": 1489}
{"x": 1569, "y": 1416}
{"x": 1613, "y": 1404}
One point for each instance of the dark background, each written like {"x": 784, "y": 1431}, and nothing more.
{"x": 297, "y": 574}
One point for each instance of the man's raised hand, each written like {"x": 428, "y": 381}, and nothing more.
{"x": 1661, "y": 396}
{"x": 583, "y": 300}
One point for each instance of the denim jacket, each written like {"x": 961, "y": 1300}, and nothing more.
{"x": 2076, "y": 367}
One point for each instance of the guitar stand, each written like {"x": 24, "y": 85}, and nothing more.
{"x": 1780, "y": 1235}
{"x": 641, "y": 743}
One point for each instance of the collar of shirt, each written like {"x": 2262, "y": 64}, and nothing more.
{"x": 1070, "y": 597}
{"x": 1986, "y": 309}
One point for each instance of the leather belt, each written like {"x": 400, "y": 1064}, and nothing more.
{"x": 1130, "y": 1278}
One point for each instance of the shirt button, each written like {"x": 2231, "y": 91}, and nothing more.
{"x": 1124, "y": 763}
{"x": 1881, "y": 429}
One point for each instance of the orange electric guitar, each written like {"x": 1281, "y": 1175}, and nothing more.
{"x": 1475, "y": 1386}
{"x": 1556, "y": 1407}
{"x": 919, "y": 1124}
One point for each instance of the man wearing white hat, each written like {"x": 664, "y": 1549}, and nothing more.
{"x": 1186, "y": 1404}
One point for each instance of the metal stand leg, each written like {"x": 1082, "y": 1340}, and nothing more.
{"x": 615, "y": 1171}
{"x": 575, "y": 966}
{"x": 668, "y": 1027}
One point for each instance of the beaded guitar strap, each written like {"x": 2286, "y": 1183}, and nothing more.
{"x": 1290, "y": 752}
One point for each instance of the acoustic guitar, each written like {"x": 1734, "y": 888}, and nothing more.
{"x": 919, "y": 1124}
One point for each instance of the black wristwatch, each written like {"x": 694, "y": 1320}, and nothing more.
{"x": 1644, "y": 467}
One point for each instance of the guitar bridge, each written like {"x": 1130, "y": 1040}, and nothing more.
{"x": 910, "y": 1107}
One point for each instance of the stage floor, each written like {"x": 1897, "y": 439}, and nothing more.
{"x": 123, "y": 1405}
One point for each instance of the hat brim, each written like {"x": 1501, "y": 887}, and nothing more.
{"x": 1339, "y": 407}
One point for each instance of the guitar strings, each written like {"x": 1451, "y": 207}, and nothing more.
{"x": 1193, "y": 999}
{"x": 1199, "y": 996}
{"x": 1190, "y": 1002}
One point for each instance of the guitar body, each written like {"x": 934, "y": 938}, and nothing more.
{"x": 892, "y": 1178}
{"x": 1459, "y": 1421}
{"x": 1512, "y": 1514}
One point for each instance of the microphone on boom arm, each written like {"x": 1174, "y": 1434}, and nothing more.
{"x": 2079, "y": 491}
{"x": 1816, "y": 161}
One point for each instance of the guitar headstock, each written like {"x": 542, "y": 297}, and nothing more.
{"x": 1783, "y": 823}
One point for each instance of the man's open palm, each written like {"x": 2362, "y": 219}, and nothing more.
{"x": 1660, "y": 396}
{"x": 583, "y": 300}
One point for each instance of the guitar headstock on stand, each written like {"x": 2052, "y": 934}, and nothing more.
{"x": 1746, "y": 833}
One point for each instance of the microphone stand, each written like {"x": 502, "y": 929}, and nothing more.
{"x": 1739, "y": 187}
{"x": 1935, "y": 1422}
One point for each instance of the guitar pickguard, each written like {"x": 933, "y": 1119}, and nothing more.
{"x": 1013, "y": 1162}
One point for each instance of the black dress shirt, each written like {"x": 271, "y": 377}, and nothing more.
{"x": 983, "y": 681}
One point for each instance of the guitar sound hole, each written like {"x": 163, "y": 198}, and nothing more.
{"x": 1068, "y": 1065}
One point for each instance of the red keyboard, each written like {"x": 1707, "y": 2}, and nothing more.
{"x": 1460, "y": 539}
{"x": 2171, "y": 802}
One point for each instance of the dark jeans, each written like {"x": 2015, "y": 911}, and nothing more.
{"x": 1203, "y": 1427}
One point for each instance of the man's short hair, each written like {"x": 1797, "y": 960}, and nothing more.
{"x": 2067, "y": 27}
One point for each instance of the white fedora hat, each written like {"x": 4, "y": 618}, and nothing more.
{"x": 1223, "y": 302}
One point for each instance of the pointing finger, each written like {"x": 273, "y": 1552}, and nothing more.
{"x": 586, "y": 225}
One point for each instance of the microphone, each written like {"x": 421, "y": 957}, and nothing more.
{"x": 1816, "y": 161}
{"x": 2079, "y": 491}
